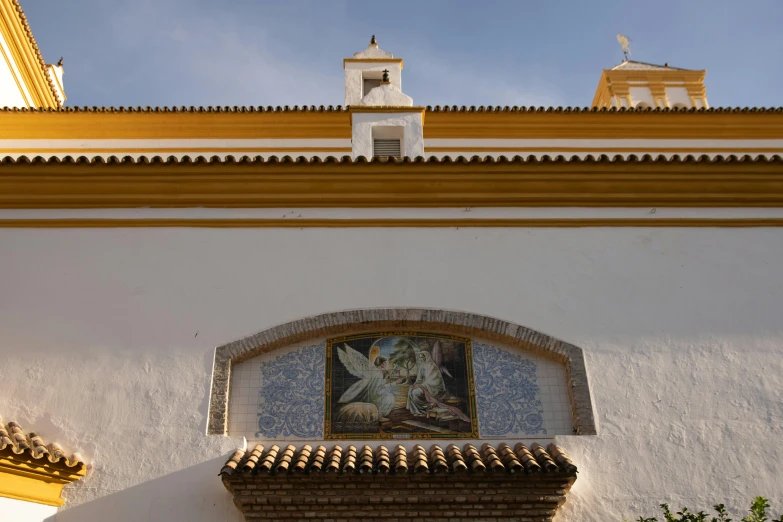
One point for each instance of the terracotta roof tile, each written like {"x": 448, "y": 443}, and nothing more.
{"x": 13, "y": 441}
{"x": 603, "y": 158}
{"x": 429, "y": 108}
{"x": 352, "y": 460}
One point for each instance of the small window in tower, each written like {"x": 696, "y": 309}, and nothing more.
{"x": 386, "y": 147}
{"x": 370, "y": 84}
{"x": 387, "y": 141}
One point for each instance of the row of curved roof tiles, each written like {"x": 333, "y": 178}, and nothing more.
{"x": 353, "y": 459}
{"x": 436, "y": 108}
{"x": 630, "y": 159}
{"x": 14, "y": 441}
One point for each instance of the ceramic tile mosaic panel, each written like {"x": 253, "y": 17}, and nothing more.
{"x": 282, "y": 395}
{"x": 400, "y": 385}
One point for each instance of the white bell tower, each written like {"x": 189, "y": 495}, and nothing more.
{"x": 365, "y": 71}
{"x": 384, "y": 121}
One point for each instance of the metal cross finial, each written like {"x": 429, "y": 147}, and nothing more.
{"x": 373, "y": 41}
{"x": 385, "y": 76}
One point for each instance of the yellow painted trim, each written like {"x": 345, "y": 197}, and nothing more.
{"x": 16, "y": 77}
{"x": 440, "y": 124}
{"x": 176, "y": 125}
{"x": 604, "y": 150}
{"x": 381, "y": 185}
{"x": 23, "y": 478}
{"x": 25, "y": 57}
{"x": 152, "y": 151}
{"x": 391, "y": 223}
{"x": 372, "y": 60}
{"x": 603, "y": 125}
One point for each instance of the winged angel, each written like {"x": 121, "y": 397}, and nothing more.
{"x": 371, "y": 389}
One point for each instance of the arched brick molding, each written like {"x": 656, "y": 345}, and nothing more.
{"x": 358, "y": 321}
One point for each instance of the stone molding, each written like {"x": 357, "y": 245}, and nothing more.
{"x": 423, "y": 319}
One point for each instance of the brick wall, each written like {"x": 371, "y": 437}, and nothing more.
{"x": 426, "y": 497}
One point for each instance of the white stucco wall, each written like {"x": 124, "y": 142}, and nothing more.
{"x": 21, "y": 511}
{"x": 108, "y": 335}
{"x": 341, "y": 147}
{"x": 353, "y": 78}
{"x": 678, "y": 95}
{"x": 13, "y": 91}
{"x": 410, "y": 122}
{"x": 641, "y": 95}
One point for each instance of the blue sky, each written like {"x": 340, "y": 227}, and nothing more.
{"x": 488, "y": 52}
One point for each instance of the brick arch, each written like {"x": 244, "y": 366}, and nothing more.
{"x": 423, "y": 319}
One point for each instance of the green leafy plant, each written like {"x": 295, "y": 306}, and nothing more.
{"x": 758, "y": 513}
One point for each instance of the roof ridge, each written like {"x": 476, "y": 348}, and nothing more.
{"x": 476, "y": 159}
{"x": 429, "y": 108}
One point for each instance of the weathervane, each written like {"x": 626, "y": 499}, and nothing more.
{"x": 624, "y": 41}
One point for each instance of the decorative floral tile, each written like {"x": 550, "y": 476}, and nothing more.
{"x": 291, "y": 394}
{"x": 507, "y": 393}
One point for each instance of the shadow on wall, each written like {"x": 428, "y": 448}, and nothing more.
{"x": 192, "y": 494}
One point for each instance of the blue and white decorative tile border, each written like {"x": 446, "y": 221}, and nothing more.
{"x": 291, "y": 394}
{"x": 507, "y": 393}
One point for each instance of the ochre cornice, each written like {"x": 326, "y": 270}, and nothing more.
{"x": 612, "y": 124}
{"x": 35, "y": 480}
{"x": 273, "y": 183}
{"x": 442, "y": 122}
{"x": 175, "y": 125}
{"x": 655, "y": 75}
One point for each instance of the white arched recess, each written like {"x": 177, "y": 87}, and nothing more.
{"x": 420, "y": 319}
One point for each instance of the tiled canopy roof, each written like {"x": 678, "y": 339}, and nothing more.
{"x": 352, "y": 459}
{"x": 13, "y": 441}
{"x": 544, "y": 159}
{"x": 429, "y": 108}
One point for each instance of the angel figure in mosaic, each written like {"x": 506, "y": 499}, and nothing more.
{"x": 372, "y": 397}
{"x": 429, "y": 390}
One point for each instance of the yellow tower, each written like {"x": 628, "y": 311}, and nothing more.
{"x": 26, "y": 80}
{"x": 646, "y": 85}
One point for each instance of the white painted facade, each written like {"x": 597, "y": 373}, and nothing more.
{"x": 107, "y": 335}
{"x": 23, "y": 511}
{"x": 670, "y": 320}
{"x": 406, "y": 126}
{"x": 439, "y": 147}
